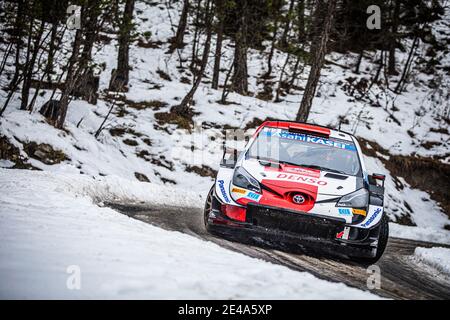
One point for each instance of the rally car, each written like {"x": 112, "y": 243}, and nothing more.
{"x": 302, "y": 184}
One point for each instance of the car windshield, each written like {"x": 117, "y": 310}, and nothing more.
{"x": 328, "y": 154}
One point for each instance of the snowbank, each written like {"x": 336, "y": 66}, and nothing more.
{"x": 49, "y": 223}
{"x": 419, "y": 233}
{"x": 436, "y": 257}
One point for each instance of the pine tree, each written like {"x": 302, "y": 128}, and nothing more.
{"x": 177, "y": 41}
{"x": 218, "y": 52}
{"x": 120, "y": 76}
{"x": 323, "y": 17}
{"x": 239, "y": 80}
{"x": 184, "y": 107}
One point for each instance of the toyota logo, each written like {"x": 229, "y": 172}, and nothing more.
{"x": 298, "y": 199}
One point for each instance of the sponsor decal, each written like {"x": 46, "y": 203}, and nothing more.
{"x": 253, "y": 196}
{"x": 370, "y": 220}
{"x": 304, "y": 172}
{"x": 224, "y": 193}
{"x": 344, "y": 211}
{"x": 300, "y": 178}
{"x": 238, "y": 190}
{"x": 359, "y": 211}
{"x": 283, "y": 134}
{"x": 343, "y": 234}
{"x": 297, "y": 170}
{"x": 242, "y": 193}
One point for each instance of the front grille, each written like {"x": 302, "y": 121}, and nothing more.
{"x": 300, "y": 223}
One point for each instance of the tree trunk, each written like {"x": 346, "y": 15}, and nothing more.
{"x": 377, "y": 75}
{"x": 87, "y": 84}
{"x": 120, "y": 76}
{"x": 272, "y": 49}
{"x": 184, "y": 107}
{"x": 294, "y": 75}
{"x": 177, "y": 41}
{"x": 43, "y": 75}
{"x": 91, "y": 29}
{"x": 196, "y": 38}
{"x": 5, "y": 57}
{"x": 78, "y": 63}
{"x": 287, "y": 24}
{"x": 400, "y": 84}
{"x": 358, "y": 62}
{"x": 51, "y": 50}
{"x": 318, "y": 51}
{"x": 226, "y": 90}
{"x": 18, "y": 37}
{"x": 280, "y": 81}
{"x": 301, "y": 20}
{"x": 239, "y": 81}
{"x": 276, "y": 15}
{"x": 393, "y": 39}
{"x": 70, "y": 81}
{"x": 29, "y": 68}
{"x": 218, "y": 52}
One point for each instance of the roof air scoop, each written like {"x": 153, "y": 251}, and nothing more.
{"x": 335, "y": 176}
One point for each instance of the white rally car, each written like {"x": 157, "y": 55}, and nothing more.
{"x": 304, "y": 184}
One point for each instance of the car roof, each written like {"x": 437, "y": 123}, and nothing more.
{"x": 313, "y": 129}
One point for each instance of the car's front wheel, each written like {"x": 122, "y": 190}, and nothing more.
{"x": 382, "y": 243}
{"x": 208, "y": 207}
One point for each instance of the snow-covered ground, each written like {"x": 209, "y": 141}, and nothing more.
{"x": 49, "y": 220}
{"x": 52, "y": 231}
{"x": 436, "y": 257}
{"x": 428, "y": 234}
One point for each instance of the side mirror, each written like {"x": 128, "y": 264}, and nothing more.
{"x": 229, "y": 158}
{"x": 377, "y": 177}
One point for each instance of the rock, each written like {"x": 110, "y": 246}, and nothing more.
{"x": 130, "y": 142}
{"x": 10, "y": 154}
{"x": 141, "y": 177}
{"x": 44, "y": 153}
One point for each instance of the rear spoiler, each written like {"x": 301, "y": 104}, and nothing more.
{"x": 309, "y": 129}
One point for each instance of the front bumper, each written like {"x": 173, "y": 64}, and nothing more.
{"x": 277, "y": 225}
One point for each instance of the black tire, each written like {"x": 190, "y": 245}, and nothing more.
{"x": 208, "y": 208}
{"x": 382, "y": 243}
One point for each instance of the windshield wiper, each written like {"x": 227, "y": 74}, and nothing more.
{"x": 289, "y": 163}
{"x": 311, "y": 166}
{"x": 321, "y": 168}
{"x": 267, "y": 162}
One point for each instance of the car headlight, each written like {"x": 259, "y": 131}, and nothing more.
{"x": 357, "y": 199}
{"x": 243, "y": 179}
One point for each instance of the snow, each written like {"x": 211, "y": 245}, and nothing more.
{"x": 436, "y": 257}
{"x": 6, "y": 163}
{"x": 51, "y": 226}
{"x": 426, "y": 213}
{"x": 110, "y": 156}
{"x": 103, "y": 169}
{"x": 426, "y": 234}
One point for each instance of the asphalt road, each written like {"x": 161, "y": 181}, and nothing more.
{"x": 401, "y": 276}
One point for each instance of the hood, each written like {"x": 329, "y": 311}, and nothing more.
{"x": 289, "y": 178}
